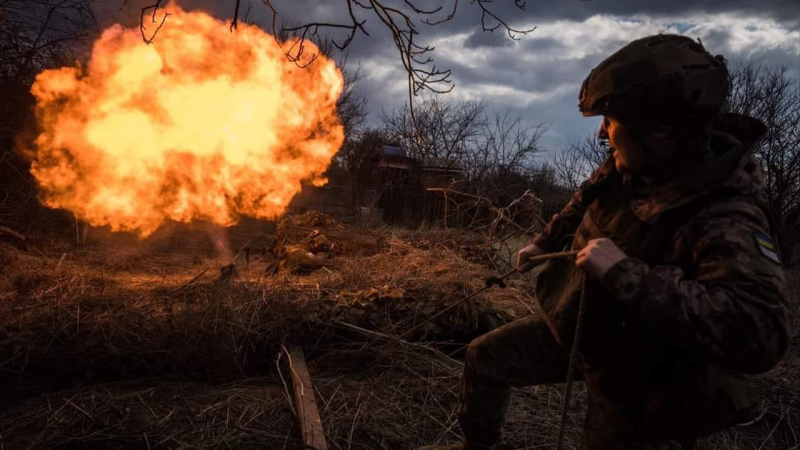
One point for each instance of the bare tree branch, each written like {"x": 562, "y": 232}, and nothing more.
{"x": 154, "y": 7}
{"x": 500, "y": 23}
{"x": 34, "y": 35}
{"x": 770, "y": 95}
{"x": 401, "y": 20}
{"x": 442, "y": 130}
{"x": 578, "y": 160}
{"x": 235, "y": 21}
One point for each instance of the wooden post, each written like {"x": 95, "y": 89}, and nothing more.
{"x": 307, "y": 412}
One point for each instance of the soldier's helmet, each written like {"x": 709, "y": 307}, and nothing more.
{"x": 658, "y": 79}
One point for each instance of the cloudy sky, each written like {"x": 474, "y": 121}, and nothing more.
{"x": 538, "y": 76}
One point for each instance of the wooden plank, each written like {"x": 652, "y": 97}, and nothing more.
{"x": 307, "y": 412}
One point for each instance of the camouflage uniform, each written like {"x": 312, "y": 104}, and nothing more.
{"x": 672, "y": 332}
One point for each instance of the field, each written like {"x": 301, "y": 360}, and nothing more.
{"x": 128, "y": 343}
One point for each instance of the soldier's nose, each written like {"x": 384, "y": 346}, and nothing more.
{"x": 602, "y": 133}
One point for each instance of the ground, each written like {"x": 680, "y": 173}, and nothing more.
{"x": 129, "y": 343}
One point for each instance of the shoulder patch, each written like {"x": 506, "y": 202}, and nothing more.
{"x": 767, "y": 246}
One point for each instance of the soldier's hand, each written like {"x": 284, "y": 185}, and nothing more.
{"x": 599, "y": 256}
{"x": 523, "y": 265}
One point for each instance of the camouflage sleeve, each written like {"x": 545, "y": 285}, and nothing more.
{"x": 729, "y": 302}
{"x": 559, "y": 232}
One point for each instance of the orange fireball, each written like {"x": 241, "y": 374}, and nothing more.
{"x": 202, "y": 124}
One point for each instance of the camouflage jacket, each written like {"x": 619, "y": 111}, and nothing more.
{"x": 671, "y": 331}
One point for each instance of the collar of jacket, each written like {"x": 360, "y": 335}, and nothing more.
{"x": 733, "y": 141}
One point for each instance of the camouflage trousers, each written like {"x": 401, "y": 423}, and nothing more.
{"x": 525, "y": 353}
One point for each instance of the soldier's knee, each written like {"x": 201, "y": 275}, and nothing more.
{"x": 478, "y": 351}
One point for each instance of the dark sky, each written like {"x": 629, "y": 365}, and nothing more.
{"x": 538, "y": 76}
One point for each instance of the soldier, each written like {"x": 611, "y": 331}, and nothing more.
{"x": 683, "y": 283}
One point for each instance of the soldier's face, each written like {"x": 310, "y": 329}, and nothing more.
{"x": 627, "y": 153}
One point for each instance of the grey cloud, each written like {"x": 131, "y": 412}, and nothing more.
{"x": 481, "y": 38}
{"x": 716, "y": 41}
{"x": 780, "y": 10}
{"x": 537, "y": 43}
{"x": 538, "y": 13}
{"x": 507, "y": 68}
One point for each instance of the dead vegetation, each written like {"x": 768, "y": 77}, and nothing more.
{"x": 141, "y": 346}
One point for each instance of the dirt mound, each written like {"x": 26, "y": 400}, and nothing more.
{"x": 310, "y": 219}
{"x": 347, "y": 241}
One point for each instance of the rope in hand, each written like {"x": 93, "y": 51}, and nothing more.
{"x": 573, "y": 356}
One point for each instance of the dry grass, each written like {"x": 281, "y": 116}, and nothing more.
{"x": 155, "y": 414}
{"x": 127, "y": 344}
{"x": 84, "y": 334}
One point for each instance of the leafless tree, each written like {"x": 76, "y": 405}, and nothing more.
{"x": 358, "y": 156}
{"x": 495, "y": 152}
{"x": 37, "y": 34}
{"x": 444, "y": 129}
{"x": 352, "y": 105}
{"x": 501, "y": 164}
{"x": 34, "y": 35}
{"x": 505, "y": 144}
{"x": 769, "y": 94}
{"x": 575, "y": 162}
{"x": 544, "y": 181}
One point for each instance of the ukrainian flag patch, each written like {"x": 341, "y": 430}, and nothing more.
{"x": 767, "y": 246}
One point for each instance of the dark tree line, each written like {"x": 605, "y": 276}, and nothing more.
{"x": 34, "y": 35}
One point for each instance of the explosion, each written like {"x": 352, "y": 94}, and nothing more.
{"x": 202, "y": 124}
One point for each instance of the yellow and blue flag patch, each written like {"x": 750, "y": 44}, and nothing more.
{"x": 766, "y": 245}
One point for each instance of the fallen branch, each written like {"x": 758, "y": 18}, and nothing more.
{"x": 5, "y": 231}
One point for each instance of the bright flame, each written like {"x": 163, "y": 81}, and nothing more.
{"x": 202, "y": 124}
